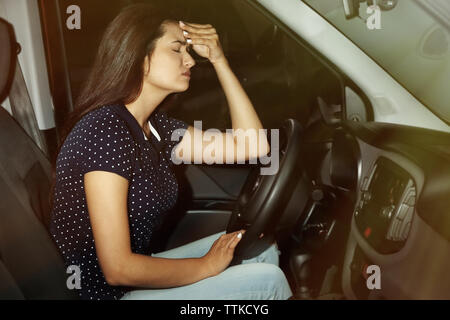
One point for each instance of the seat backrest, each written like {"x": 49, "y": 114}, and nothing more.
{"x": 30, "y": 264}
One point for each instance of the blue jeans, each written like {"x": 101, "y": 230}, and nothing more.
{"x": 259, "y": 278}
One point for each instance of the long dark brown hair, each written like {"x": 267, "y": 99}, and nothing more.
{"x": 117, "y": 73}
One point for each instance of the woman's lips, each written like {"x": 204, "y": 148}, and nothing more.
{"x": 187, "y": 74}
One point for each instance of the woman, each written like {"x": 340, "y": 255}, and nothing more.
{"x": 113, "y": 173}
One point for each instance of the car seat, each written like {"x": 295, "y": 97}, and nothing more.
{"x": 30, "y": 264}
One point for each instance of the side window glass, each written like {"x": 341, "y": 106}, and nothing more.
{"x": 81, "y": 45}
{"x": 281, "y": 76}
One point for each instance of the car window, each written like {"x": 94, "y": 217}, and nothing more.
{"x": 281, "y": 77}
{"x": 410, "y": 44}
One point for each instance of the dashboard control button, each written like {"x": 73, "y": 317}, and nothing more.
{"x": 411, "y": 200}
{"x": 402, "y": 211}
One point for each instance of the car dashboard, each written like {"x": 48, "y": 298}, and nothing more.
{"x": 400, "y": 224}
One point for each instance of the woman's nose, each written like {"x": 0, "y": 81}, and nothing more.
{"x": 189, "y": 62}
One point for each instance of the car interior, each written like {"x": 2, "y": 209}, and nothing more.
{"x": 349, "y": 193}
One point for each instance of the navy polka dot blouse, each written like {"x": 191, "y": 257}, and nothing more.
{"x": 111, "y": 139}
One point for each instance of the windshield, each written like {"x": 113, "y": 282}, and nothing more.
{"x": 407, "y": 41}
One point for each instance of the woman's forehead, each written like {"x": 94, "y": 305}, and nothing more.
{"x": 173, "y": 33}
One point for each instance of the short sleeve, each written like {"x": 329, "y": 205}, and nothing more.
{"x": 108, "y": 145}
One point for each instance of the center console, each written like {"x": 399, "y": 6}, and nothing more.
{"x": 386, "y": 206}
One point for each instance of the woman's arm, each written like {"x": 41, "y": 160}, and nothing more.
{"x": 206, "y": 43}
{"x": 106, "y": 196}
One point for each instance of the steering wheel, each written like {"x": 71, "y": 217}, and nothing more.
{"x": 262, "y": 199}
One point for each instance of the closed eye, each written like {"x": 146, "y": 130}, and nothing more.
{"x": 178, "y": 51}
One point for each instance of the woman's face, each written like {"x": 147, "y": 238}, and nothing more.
{"x": 170, "y": 63}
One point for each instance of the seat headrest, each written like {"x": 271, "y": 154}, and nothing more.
{"x": 8, "y": 56}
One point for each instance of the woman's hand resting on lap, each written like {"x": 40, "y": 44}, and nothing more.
{"x": 221, "y": 253}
